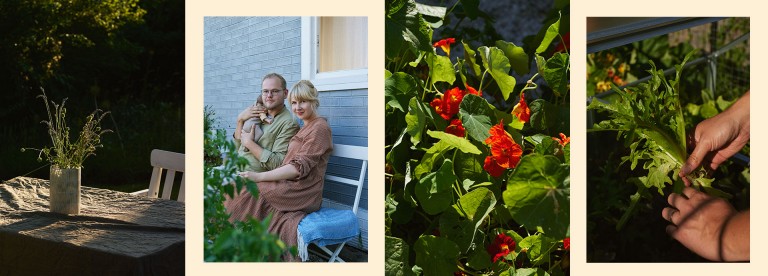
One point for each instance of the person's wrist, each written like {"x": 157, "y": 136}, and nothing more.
{"x": 733, "y": 244}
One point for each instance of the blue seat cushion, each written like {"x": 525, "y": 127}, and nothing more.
{"x": 329, "y": 226}
{"x": 326, "y": 226}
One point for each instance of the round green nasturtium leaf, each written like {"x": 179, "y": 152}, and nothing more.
{"x": 457, "y": 229}
{"x": 436, "y": 255}
{"x": 544, "y": 115}
{"x": 475, "y": 117}
{"x": 537, "y": 248}
{"x": 430, "y": 157}
{"x": 538, "y": 194}
{"x": 397, "y": 256}
{"x": 397, "y": 209}
{"x": 476, "y": 205}
{"x": 434, "y": 191}
{"x": 440, "y": 69}
{"x": 399, "y": 88}
{"x": 516, "y": 55}
{"x": 556, "y": 73}
{"x": 498, "y": 65}
{"x": 469, "y": 167}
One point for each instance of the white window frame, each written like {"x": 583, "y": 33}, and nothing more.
{"x": 326, "y": 81}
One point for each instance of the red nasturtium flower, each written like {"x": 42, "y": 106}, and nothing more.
{"x": 567, "y": 244}
{"x": 491, "y": 166}
{"x": 448, "y": 104}
{"x": 471, "y": 90}
{"x": 445, "y": 44}
{"x": 456, "y": 128}
{"x": 501, "y": 246}
{"x": 521, "y": 110}
{"x": 505, "y": 152}
{"x": 563, "y": 140}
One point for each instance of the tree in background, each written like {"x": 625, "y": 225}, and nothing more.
{"x": 122, "y": 56}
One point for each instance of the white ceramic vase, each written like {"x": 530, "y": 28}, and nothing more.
{"x": 65, "y": 190}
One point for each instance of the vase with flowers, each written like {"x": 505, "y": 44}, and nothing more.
{"x": 66, "y": 157}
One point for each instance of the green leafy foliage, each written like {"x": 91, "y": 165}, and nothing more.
{"x": 440, "y": 69}
{"x": 650, "y": 119}
{"x": 538, "y": 194}
{"x": 552, "y": 32}
{"x": 436, "y": 255}
{"x": 498, "y": 66}
{"x": 122, "y": 56}
{"x": 405, "y": 29}
{"x": 444, "y": 208}
{"x": 397, "y": 257}
{"x": 241, "y": 241}
{"x": 631, "y": 168}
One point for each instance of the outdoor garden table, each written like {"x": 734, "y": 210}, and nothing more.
{"x": 115, "y": 234}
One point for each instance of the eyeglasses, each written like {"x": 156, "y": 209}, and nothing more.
{"x": 271, "y": 92}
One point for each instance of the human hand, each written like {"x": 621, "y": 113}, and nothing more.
{"x": 250, "y": 112}
{"x": 698, "y": 222}
{"x": 249, "y": 175}
{"x": 718, "y": 138}
{"x": 247, "y": 137}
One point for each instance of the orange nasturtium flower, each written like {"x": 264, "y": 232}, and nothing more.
{"x": 445, "y": 44}
{"x": 448, "y": 104}
{"x": 563, "y": 140}
{"x": 456, "y": 128}
{"x": 505, "y": 152}
{"x": 521, "y": 110}
{"x": 501, "y": 246}
{"x": 471, "y": 90}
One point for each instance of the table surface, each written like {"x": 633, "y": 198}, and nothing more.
{"x": 115, "y": 233}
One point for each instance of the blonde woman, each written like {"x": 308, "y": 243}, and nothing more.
{"x": 294, "y": 189}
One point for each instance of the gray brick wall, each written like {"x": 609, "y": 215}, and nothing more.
{"x": 347, "y": 113}
{"x": 238, "y": 52}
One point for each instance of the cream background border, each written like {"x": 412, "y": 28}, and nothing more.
{"x": 196, "y": 10}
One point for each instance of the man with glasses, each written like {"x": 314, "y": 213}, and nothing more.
{"x": 268, "y": 153}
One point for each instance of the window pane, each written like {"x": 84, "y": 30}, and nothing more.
{"x": 343, "y": 44}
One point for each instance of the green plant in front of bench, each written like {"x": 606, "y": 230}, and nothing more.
{"x": 223, "y": 241}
